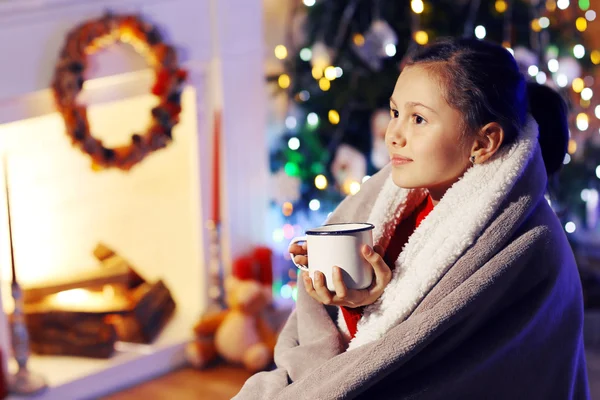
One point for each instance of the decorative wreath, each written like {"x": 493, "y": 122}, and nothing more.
{"x": 69, "y": 77}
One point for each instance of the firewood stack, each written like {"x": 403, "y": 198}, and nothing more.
{"x": 135, "y": 310}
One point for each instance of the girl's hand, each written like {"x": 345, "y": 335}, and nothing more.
{"x": 300, "y": 253}
{"x": 351, "y": 297}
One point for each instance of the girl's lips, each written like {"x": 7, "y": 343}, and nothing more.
{"x": 399, "y": 160}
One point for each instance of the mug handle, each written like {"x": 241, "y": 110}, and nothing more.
{"x": 296, "y": 240}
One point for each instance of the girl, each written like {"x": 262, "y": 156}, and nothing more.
{"x": 476, "y": 294}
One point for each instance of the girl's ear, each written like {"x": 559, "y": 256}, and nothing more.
{"x": 487, "y": 142}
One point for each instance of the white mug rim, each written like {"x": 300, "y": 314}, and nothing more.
{"x": 365, "y": 226}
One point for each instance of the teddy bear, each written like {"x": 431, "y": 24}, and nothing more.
{"x": 240, "y": 334}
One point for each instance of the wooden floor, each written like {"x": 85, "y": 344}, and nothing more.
{"x": 221, "y": 382}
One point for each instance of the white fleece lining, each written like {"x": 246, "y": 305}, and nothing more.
{"x": 442, "y": 237}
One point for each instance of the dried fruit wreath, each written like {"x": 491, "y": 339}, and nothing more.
{"x": 69, "y": 77}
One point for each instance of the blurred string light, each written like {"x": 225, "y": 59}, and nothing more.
{"x": 590, "y": 15}
{"x": 309, "y": 3}
{"x": 563, "y": 4}
{"x": 291, "y": 122}
{"x": 581, "y": 24}
{"x": 334, "y": 117}
{"x": 533, "y": 70}
{"x": 597, "y": 111}
{"x": 278, "y": 235}
{"x": 417, "y": 6}
{"x": 578, "y": 51}
{"x": 305, "y": 54}
{"x": 572, "y": 147}
{"x": 577, "y": 85}
{"x": 480, "y": 31}
{"x": 317, "y": 73}
{"x": 286, "y": 291}
{"x": 541, "y": 77}
{"x": 551, "y": 5}
{"x": 281, "y": 52}
{"x": 587, "y": 93}
{"x": 321, "y": 182}
{"x": 324, "y": 84}
{"x": 312, "y": 119}
{"x": 544, "y": 22}
{"x": 570, "y": 227}
{"x": 584, "y": 4}
{"x": 501, "y": 6}
{"x": 294, "y": 143}
{"x": 562, "y": 80}
{"x": 598, "y": 172}
{"x": 553, "y": 65}
{"x": 595, "y": 57}
{"x": 330, "y": 73}
{"x": 582, "y": 122}
{"x": 314, "y": 204}
{"x": 421, "y": 37}
{"x": 287, "y": 209}
{"x": 358, "y": 39}
{"x": 567, "y": 159}
{"x": 284, "y": 81}
{"x": 390, "y": 49}
{"x": 535, "y": 25}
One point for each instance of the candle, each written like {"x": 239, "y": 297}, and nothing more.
{"x": 216, "y": 178}
{"x": 88, "y": 301}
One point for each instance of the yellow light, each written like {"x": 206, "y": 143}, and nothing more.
{"x": 595, "y": 57}
{"x": 317, "y": 73}
{"x": 535, "y": 25}
{"x": 421, "y": 37}
{"x": 280, "y": 52}
{"x": 578, "y": 85}
{"x": 551, "y": 5}
{"x": 334, "y": 117}
{"x": 572, "y": 146}
{"x": 284, "y": 81}
{"x": 584, "y": 103}
{"x": 417, "y": 6}
{"x": 330, "y": 73}
{"x": 358, "y": 39}
{"x": 354, "y": 187}
{"x": 501, "y": 6}
{"x": 324, "y": 84}
{"x": 320, "y": 182}
{"x": 287, "y": 208}
{"x": 581, "y": 24}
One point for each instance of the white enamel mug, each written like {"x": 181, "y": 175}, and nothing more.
{"x": 338, "y": 245}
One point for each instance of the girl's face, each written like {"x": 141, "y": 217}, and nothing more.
{"x": 427, "y": 145}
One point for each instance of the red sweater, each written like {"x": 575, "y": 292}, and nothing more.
{"x": 403, "y": 231}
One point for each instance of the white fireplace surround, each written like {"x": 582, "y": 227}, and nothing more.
{"x": 221, "y": 45}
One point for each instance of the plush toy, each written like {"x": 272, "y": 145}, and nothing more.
{"x": 240, "y": 334}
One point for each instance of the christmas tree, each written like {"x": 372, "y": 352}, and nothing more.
{"x": 342, "y": 59}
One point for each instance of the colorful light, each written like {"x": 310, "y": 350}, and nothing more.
{"x": 563, "y": 4}
{"x": 288, "y": 231}
{"x": 390, "y": 49}
{"x": 535, "y": 25}
{"x": 544, "y": 22}
{"x": 334, "y": 117}
{"x": 305, "y": 54}
{"x": 330, "y": 73}
{"x": 304, "y": 95}
{"x": 278, "y": 235}
{"x": 578, "y": 85}
{"x": 581, "y": 24}
{"x": 421, "y": 37}
{"x": 567, "y": 159}
{"x": 541, "y": 77}
{"x": 287, "y": 209}
{"x": 358, "y": 39}
{"x": 291, "y": 122}
{"x": 291, "y": 169}
{"x": 324, "y": 84}
{"x": 312, "y": 119}
{"x": 294, "y": 143}
{"x": 338, "y": 72}
{"x": 562, "y": 80}
{"x": 590, "y": 15}
{"x": 570, "y": 227}
{"x": 553, "y": 65}
{"x": 417, "y": 6}
{"x": 320, "y": 182}
{"x": 584, "y": 4}
{"x": 595, "y": 57}
{"x": 284, "y": 81}
{"x": 572, "y": 147}
{"x": 480, "y": 31}
{"x": 578, "y": 51}
{"x": 286, "y": 291}
{"x": 309, "y": 3}
{"x": 582, "y": 122}
{"x": 501, "y": 6}
{"x": 314, "y": 204}
{"x": 587, "y": 93}
{"x": 317, "y": 73}
{"x": 533, "y": 70}
{"x": 597, "y": 112}
{"x": 281, "y": 51}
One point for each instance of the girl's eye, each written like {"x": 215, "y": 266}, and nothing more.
{"x": 394, "y": 113}
{"x": 418, "y": 119}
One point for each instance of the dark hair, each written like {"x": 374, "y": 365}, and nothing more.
{"x": 482, "y": 81}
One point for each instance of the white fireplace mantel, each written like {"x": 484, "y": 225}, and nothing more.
{"x": 221, "y": 43}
